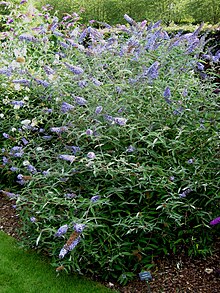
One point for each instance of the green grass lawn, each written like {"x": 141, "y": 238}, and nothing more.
{"x": 24, "y": 271}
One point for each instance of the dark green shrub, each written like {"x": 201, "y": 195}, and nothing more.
{"x": 117, "y": 141}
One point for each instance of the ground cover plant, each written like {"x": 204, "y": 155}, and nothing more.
{"x": 110, "y": 142}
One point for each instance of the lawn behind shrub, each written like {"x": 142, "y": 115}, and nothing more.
{"x": 23, "y": 271}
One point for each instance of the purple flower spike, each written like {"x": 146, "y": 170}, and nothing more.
{"x": 130, "y": 149}
{"x": 215, "y": 221}
{"x": 27, "y": 37}
{"x": 80, "y": 101}
{"x": 89, "y": 132}
{"x": 25, "y": 141}
{"x": 63, "y": 252}
{"x": 5, "y": 135}
{"x": 120, "y": 121}
{"x": 65, "y": 107}
{"x": 18, "y": 104}
{"x": 21, "y": 81}
{"x": 98, "y": 109}
{"x": 58, "y": 130}
{"x": 9, "y": 194}
{"x": 95, "y": 198}
{"x": 190, "y": 161}
{"x": 70, "y": 195}
{"x": 167, "y": 95}
{"x": 167, "y": 92}
{"x": 152, "y": 71}
{"x": 129, "y": 19}
{"x": 79, "y": 227}
{"x": 74, "y": 69}
{"x": 200, "y": 66}
{"x": 74, "y": 244}
{"x": 61, "y": 231}
{"x": 91, "y": 155}
{"x": 67, "y": 158}
{"x": 33, "y": 219}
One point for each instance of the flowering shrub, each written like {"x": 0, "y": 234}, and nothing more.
{"x": 109, "y": 144}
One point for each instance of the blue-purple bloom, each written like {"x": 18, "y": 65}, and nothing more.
{"x": 69, "y": 158}
{"x": 178, "y": 111}
{"x": 129, "y": 19}
{"x": 95, "y": 198}
{"x": 25, "y": 141}
{"x": 74, "y": 69}
{"x": 152, "y": 72}
{"x": 130, "y": 149}
{"x": 215, "y": 221}
{"x": 98, "y": 109}
{"x": 5, "y": 135}
{"x": 66, "y": 107}
{"x": 120, "y": 121}
{"x": 5, "y": 160}
{"x": 185, "y": 192}
{"x": 21, "y": 81}
{"x": 64, "y": 45}
{"x": 6, "y": 70}
{"x": 9, "y": 194}
{"x": 74, "y": 243}
{"x": 73, "y": 148}
{"x": 80, "y": 101}
{"x": 61, "y": 231}
{"x": 14, "y": 169}
{"x": 18, "y": 103}
{"x": 33, "y": 219}
{"x": 167, "y": 95}
{"x": 82, "y": 83}
{"x": 27, "y": 37}
{"x": 91, "y": 155}
{"x": 109, "y": 118}
{"x": 89, "y": 132}
{"x": 49, "y": 70}
{"x": 200, "y": 66}
{"x": 190, "y": 161}
{"x": 63, "y": 252}
{"x": 70, "y": 195}
{"x": 16, "y": 151}
{"x": 44, "y": 83}
{"x": 58, "y": 130}
{"x": 31, "y": 168}
{"x": 79, "y": 227}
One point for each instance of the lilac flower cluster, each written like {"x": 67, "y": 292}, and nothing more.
{"x": 70, "y": 195}
{"x": 69, "y": 158}
{"x": 74, "y": 69}
{"x": 59, "y": 130}
{"x": 27, "y": 37}
{"x": 9, "y": 194}
{"x": 67, "y": 248}
{"x": 66, "y": 107}
{"x": 95, "y": 198}
{"x": 61, "y": 231}
{"x": 16, "y": 151}
{"x": 18, "y": 104}
{"x": 80, "y": 101}
{"x": 215, "y": 221}
{"x": 185, "y": 192}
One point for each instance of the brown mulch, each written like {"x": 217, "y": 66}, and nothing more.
{"x": 173, "y": 274}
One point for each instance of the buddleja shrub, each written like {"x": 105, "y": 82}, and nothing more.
{"x": 109, "y": 144}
